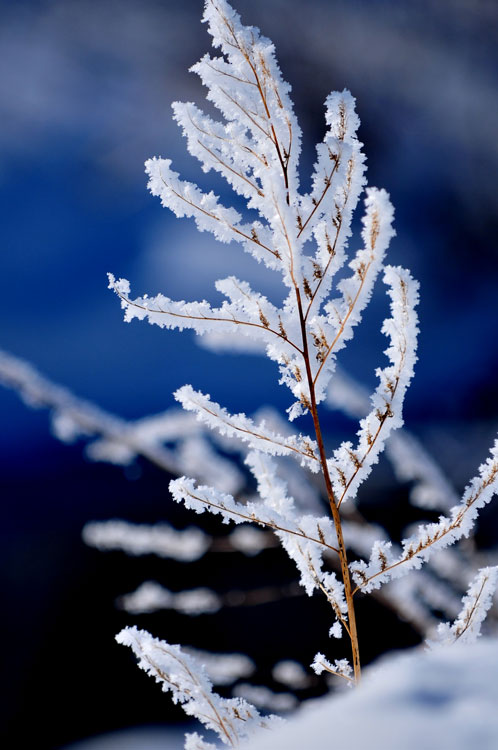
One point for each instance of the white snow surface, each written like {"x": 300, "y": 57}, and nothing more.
{"x": 413, "y": 701}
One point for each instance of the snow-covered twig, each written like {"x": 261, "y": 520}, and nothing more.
{"x": 233, "y": 719}
{"x": 476, "y": 603}
{"x": 385, "y": 565}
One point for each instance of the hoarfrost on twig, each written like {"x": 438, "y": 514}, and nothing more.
{"x": 476, "y": 603}
{"x": 233, "y": 719}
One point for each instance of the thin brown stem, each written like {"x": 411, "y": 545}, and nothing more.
{"x": 353, "y": 633}
{"x": 283, "y": 157}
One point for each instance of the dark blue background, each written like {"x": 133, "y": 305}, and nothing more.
{"x": 85, "y": 98}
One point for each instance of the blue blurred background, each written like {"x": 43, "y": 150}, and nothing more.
{"x": 85, "y": 97}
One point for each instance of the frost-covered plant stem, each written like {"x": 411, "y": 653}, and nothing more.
{"x": 348, "y": 591}
{"x": 255, "y": 147}
{"x": 257, "y": 152}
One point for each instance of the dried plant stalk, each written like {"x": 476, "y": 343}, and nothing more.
{"x": 256, "y": 149}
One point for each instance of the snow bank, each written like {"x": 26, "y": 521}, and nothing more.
{"x": 414, "y": 701}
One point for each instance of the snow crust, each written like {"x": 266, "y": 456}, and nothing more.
{"x": 414, "y": 701}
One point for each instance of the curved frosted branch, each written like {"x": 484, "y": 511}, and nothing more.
{"x": 476, "y": 603}
{"x": 350, "y": 464}
{"x": 386, "y": 563}
{"x": 239, "y": 425}
{"x": 233, "y": 719}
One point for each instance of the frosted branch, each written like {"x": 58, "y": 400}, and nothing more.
{"x": 304, "y": 539}
{"x": 408, "y": 457}
{"x": 233, "y": 719}
{"x": 238, "y": 425}
{"x": 250, "y": 313}
{"x": 476, "y": 603}
{"x": 185, "y": 199}
{"x": 350, "y": 466}
{"x": 386, "y": 563}
{"x": 331, "y": 332}
{"x": 200, "y": 498}
{"x": 340, "y": 667}
{"x": 247, "y": 87}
